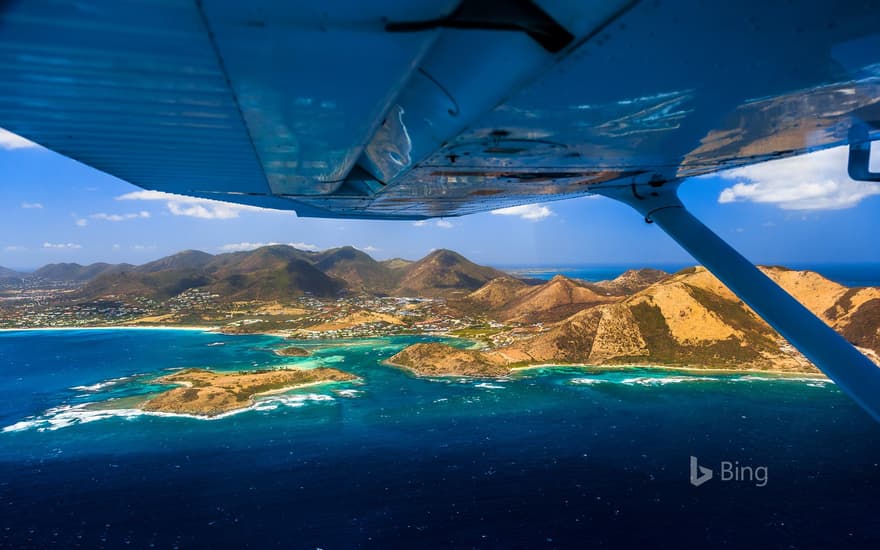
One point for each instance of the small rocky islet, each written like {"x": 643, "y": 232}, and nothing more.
{"x": 203, "y": 392}
{"x": 292, "y": 351}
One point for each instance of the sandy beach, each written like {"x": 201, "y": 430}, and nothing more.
{"x": 605, "y": 368}
{"x": 156, "y": 327}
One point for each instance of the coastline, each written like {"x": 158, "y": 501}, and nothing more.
{"x": 621, "y": 368}
{"x": 116, "y": 327}
{"x": 711, "y": 370}
{"x": 217, "y": 330}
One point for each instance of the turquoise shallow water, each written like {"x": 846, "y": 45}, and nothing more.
{"x": 556, "y": 457}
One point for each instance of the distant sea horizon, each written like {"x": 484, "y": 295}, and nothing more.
{"x": 847, "y": 274}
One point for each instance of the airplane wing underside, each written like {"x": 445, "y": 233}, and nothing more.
{"x": 405, "y": 110}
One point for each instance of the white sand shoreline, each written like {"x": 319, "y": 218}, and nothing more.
{"x": 156, "y": 327}
{"x": 668, "y": 367}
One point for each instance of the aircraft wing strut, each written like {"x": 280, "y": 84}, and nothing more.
{"x": 851, "y": 370}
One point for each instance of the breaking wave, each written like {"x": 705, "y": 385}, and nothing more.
{"x": 105, "y": 384}
{"x": 71, "y": 415}
{"x": 665, "y": 380}
{"x": 587, "y": 381}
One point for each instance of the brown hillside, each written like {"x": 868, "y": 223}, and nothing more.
{"x": 691, "y": 319}
{"x": 358, "y": 269}
{"x": 496, "y": 293}
{"x": 444, "y": 273}
{"x": 556, "y": 299}
{"x": 631, "y": 281}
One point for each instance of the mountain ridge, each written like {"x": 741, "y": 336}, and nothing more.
{"x": 689, "y": 319}
{"x": 281, "y": 271}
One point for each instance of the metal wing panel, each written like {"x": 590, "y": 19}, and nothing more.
{"x": 214, "y": 97}
{"x": 658, "y": 86}
{"x": 314, "y": 80}
{"x": 274, "y": 103}
{"x": 131, "y": 87}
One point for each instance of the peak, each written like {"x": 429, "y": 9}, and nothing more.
{"x": 643, "y": 275}
{"x": 271, "y": 248}
{"x": 185, "y": 253}
{"x": 331, "y": 257}
{"x": 63, "y": 264}
{"x": 440, "y": 252}
{"x": 561, "y": 279}
{"x": 504, "y": 281}
{"x": 690, "y": 270}
{"x": 444, "y": 257}
{"x": 780, "y": 268}
{"x": 185, "y": 259}
{"x": 642, "y": 271}
{"x": 348, "y": 251}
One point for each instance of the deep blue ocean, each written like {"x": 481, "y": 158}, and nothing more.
{"x": 547, "y": 458}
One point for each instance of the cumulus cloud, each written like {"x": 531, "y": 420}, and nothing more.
{"x": 817, "y": 181}
{"x": 119, "y": 217}
{"x": 439, "y": 223}
{"x": 244, "y": 246}
{"x": 305, "y": 246}
{"x": 82, "y": 222}
{"x": 531, "y": 212}
{"x": 14, "y": 248}
{"x": 10, "y": 141}
{"x": 61, "y": 245}
{"x": 181, "y": 205}
{"x": 368, "y": 248}
{"x": 31, "y": 205}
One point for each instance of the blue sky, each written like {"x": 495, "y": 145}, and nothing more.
{"x": 796, "y": 211}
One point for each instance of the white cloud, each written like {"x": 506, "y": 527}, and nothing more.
{"x": 119, "y": 217}
{"x": 244, "y": 246}
{"x": 82, "y": 222}
{"x": 368, "y": 248}
{"x": 10, "y": 141}
{"x": 143, "y": 247}
{"x": 14, "y": 248}
{"x": 305, "y": 246}
{"x": 61, "y": 245}
{"x": 817, "y": 181}
{"x": 181, "y": 205}
{"x": 439, "y": 223}
{"x": 531, "y": 212}
{"x": 30, "y": 205}
{"x": 117, "y": 246}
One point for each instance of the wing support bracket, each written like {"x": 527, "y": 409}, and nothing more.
{"x": 860, "y": 155}
{"x": 852, "y": 371}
